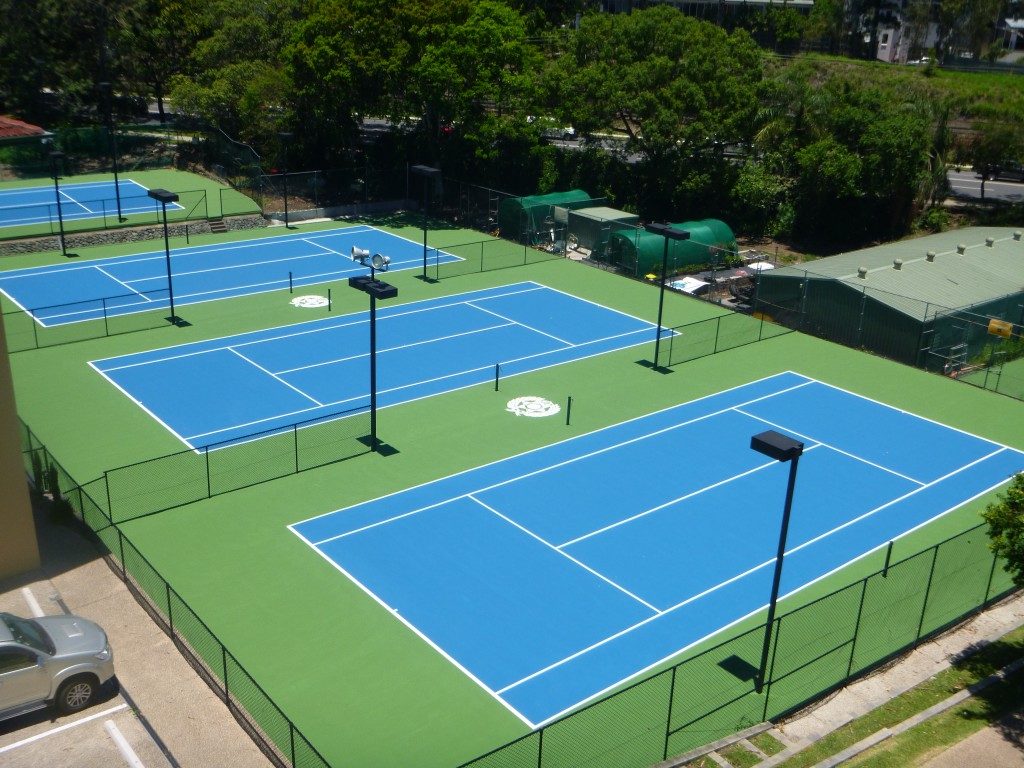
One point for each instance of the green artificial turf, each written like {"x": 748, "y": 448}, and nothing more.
{"x": 357, "y": 683}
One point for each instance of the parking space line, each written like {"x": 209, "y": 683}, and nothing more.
{"x": 60, "y": 728}
{"x": 122, "y": 745}
{"x": 33, "y": 604}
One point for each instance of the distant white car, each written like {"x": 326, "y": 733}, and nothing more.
{"x": 58, "y": 660}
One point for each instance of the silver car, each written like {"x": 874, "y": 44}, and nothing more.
{"x": 61, "y": 660}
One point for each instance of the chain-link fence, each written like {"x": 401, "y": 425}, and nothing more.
{"x": 716, "y": 334}
{"x": 92, "y": 319}
{"x": 251, "y": 705}
{"x": 176, "y": 479}
{"x": 815, "y": 649}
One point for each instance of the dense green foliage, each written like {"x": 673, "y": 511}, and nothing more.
{"x": 681, "y": 118}
{"x": 1005, "y": 520}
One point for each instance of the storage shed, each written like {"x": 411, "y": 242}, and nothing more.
{"x": 590, "y": 228}
{"x": 925, "y": 302}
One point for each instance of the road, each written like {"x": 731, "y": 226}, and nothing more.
{"x": 966, "y": 185}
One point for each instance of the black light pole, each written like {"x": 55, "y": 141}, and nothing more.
{"x": 669, "y": 233}
{"x": 781, "y": 448}
{"x": 377, "y": 290}
{"x": 429, "y": 174}
{"x": 55, "y": 158}
{"x": 164, "y": 197}
{"x": 285, "y": 137}
{"x": 108, "y": 97}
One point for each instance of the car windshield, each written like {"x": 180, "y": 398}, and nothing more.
{"x": 28, "y": 632}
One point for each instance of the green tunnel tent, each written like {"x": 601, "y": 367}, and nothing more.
{"x": 640, "y": 252}
{"x": 532, "y": 218}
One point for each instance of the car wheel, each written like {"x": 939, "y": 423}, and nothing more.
{"x": 76, "y": 694}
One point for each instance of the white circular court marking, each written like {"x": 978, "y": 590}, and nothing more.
{"x": 533, "y": 406}
{"x": 309, "y": 302}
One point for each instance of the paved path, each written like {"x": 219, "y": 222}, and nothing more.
{"x": 1000, "y": 746}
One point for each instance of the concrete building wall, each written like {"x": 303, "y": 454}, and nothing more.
{"x": 19, "y": 549}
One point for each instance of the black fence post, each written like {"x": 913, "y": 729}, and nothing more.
{"x": 540, "y": 748}
{"x": 224, "y": 664}
{"x": 120, "y": 549}
{"x": 991, "y": 575}
{"x": 769, "y": 677}
{"x": 927, "y": 592}
{"x": 170, "y": 613}
{"x": 856, "y": 627}
{"x": 668, "y": 720}
{"x": 888, "y": 558}
{"x": 291, "y": 737}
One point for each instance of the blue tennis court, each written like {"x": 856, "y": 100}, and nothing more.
{"x": 228, "y": 389}
{"x": 89, "y": 290}
{"x": 86, "y": 200}
{"x": 553, "y": 576}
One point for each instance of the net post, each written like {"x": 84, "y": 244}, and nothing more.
{"x": 290, "y": 286}
{"x": 888, "y": 559}
{"x": 106, "y": 325}
{"x": 295, "y": 442}
{"x": 568, "y": 410}
{"x": 209, "y": 483}
{"x": 497, "y": 369}
{"x": 328, "y": 299}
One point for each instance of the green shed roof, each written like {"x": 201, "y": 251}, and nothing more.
{"x": 952, "y": 280}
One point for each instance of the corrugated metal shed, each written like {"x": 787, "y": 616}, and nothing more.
{"x": 952, "y": 280}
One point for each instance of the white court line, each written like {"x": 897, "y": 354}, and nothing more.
{"x": 145, "y": 409}
{"x": 524, "y": 325}
{"x": 412, "y": 628}
{"x": 275, "y": 376}
{"x": 101, "y": 269}
{"x": 60, "y": 728}
{"x": 566, "y": 555}
{"x": 782, "y": 598}
{"x": 565, "y": 462}
{"x": 853, "y": 456}
{"x": 910, "y": 413}
{"x": 568, "y": 440}
{"x": 122, "y": 745}
{"x": 907, "y": 495}
{"x": 398, "y": 347}
{"x": 672, "y": 502}
{"x": 788, "y": 553}
{"x": 422, "y": 382}
{"x": 33, "y": 604}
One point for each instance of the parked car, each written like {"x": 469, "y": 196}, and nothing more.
{"x": 1009, "y": 169}
{"x": 53, "y": 660}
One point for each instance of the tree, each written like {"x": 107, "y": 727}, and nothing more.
{"x": 1005, "y": 520}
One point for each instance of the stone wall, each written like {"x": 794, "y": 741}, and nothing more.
{"x": 127, "y": 235}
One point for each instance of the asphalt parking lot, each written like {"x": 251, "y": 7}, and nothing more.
{"x": 157, "y": 713}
